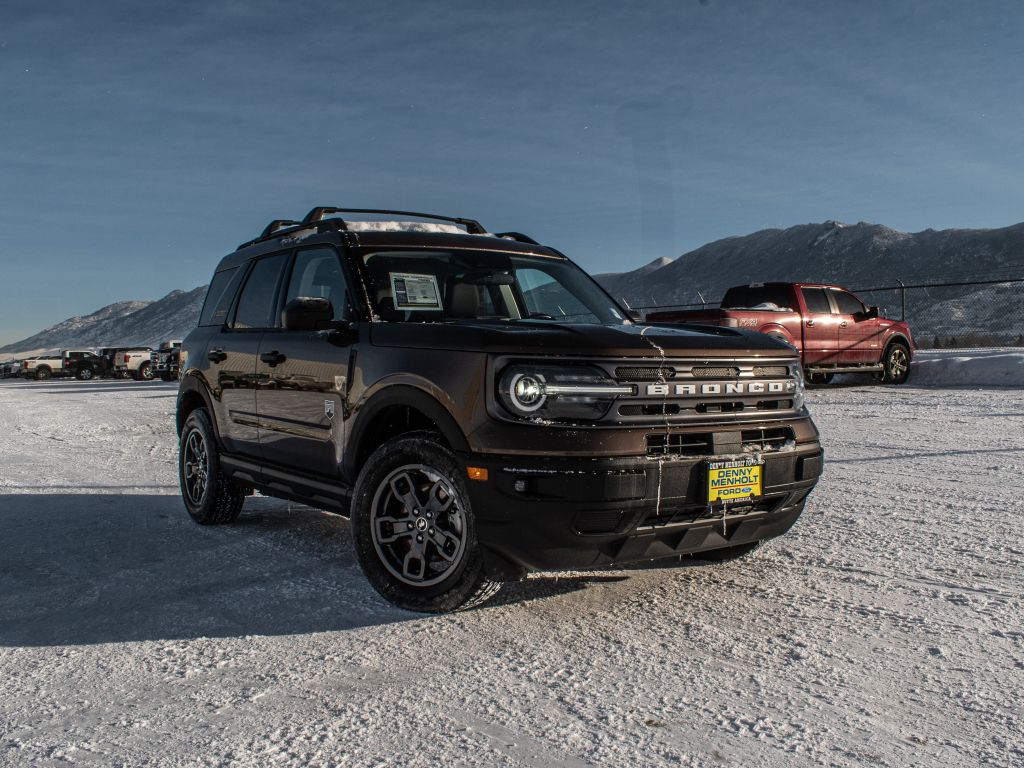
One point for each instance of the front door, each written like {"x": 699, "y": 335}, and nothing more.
{"x": 303, "y": 374}
{"x": 859, "y": 335}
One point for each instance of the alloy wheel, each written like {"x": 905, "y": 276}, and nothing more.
{"x": 197, "y": 467}
{"x": 418, "y": 525}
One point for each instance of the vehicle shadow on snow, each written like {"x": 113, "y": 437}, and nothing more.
{"x": 102, "y": 567}
{"x": 86, "y": 568}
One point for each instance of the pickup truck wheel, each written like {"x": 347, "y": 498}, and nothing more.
{"x": 414, "y": 531}
{"x": 84, "y": 374}
{"x": 897, "y": 364}
{"x": 145, "y": 372}
{"x": 210, "y": 497}
{"x": 42, "y": 373}
{"x": 728, "y": 554}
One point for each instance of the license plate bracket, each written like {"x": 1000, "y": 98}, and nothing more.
{"x": 734, "y": 480}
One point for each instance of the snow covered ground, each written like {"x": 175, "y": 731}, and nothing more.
{"x": 887, "y": 629}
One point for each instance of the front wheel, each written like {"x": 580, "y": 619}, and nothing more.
{"x": 896, "y": 364}
{"x": 414, "y": 530}
{"x": 84, "y": 374}
{"x": 210, "y": 497}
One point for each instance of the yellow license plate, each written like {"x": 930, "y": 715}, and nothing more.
{"x": 734, "y": 480}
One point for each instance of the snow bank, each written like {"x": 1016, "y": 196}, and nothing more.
{"x": 1001, "y": 367}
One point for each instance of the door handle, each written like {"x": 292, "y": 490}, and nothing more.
{"x": 216, "y": 355}
{"x": 273, "y": 358}
{"x": 843, "y": 324}
{"x": 810, "y": 323}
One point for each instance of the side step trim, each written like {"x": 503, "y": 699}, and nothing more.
{"x": 845, "y": 368}
{"x": 335, "y": 497}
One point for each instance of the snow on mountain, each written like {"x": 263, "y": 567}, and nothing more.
{"x": 126, "y": 323}
{"x": 855, "y": 255}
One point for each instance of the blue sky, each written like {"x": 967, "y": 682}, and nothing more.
{"x": 140, "y": 142}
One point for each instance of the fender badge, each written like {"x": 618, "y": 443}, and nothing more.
{"x": 329, "y": 409}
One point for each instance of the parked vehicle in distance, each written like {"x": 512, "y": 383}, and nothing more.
{"x": 84, "y": 364}
{"x": 135, "y": 363}
{"x": 42, "y": 367}
{"x": 832, "y": 329}
{"x": 10, "y": 368}
{"x": 482, "y": 408}
{"x": 165, "y": 360}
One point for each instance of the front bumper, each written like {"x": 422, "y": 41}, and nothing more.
{"x": 565, "y": 513}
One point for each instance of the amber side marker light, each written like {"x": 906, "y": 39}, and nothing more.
{"x": 476, "y": 473}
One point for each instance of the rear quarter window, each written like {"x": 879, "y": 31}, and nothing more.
{"x": 218, "y": 298}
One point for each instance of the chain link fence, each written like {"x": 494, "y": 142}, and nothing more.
{"x": 955, "y": 314}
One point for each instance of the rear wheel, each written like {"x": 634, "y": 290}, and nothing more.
{"x": 210, "y": 497}
{"x": 84, "y": 373}
{"x": 897, "y": 364}
{"x": 43, "y": 373}
{"x": 145, "y": 372}
{"x": 414, "y": 531}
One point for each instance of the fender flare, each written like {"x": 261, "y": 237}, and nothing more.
{"x": 897, "y": 337}
{"x": 400, "y": 395}
{"x": 192, "y": 382}
{"x": 774, "y": 329}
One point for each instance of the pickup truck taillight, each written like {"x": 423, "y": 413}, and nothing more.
{"x": 127, "y": 359}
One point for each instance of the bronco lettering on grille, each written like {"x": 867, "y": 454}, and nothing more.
{"x": 724, "y": 388}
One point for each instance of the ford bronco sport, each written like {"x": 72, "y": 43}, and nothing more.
{"x": 481, "y": 408}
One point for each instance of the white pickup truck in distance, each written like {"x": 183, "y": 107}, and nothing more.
{"x": 134, "y": 364}
{"x": 44, "y": 367}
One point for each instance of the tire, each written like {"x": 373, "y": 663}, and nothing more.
{"x": 167, "y": 377}
{"x": 209, "y": 496}
{"x": 820, "y": 379}
{"x": 84, "y": 373}
{"x": 728, "y": 554}
{"x": 435, "y": 564}
{"x": 145, "y": 373}
{"x": 43, "y": 373}
{"x": 897, "y": 363}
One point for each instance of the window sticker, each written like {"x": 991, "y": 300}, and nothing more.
{"x": 415, "y": 292}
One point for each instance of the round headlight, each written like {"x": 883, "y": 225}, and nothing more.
{"x": 527, "y": 391}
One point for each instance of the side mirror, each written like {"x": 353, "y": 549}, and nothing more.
{"x": 307, "y": 313}
{"x": 635, "y": 316}
{"x": 872, "y": 313}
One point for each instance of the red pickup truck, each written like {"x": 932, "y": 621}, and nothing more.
{"x": 834, "y": 331}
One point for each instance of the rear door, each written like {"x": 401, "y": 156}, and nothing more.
{"x": 233, "y": 354}
{"x": 859, "y": 335}
{"x": 821, "y": 327}
{"x": 303, "y": 373}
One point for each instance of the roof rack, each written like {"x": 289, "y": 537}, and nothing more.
{"x": 472, "y": 226}
{"x": 277, "y": 224}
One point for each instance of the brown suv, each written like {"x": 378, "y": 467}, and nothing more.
{"x": 481, "y": 408}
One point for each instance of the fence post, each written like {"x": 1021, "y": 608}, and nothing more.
{"x": 903, "y": 301}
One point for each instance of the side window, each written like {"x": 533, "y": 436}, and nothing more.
{"x": 258, "y": 302}
{"x": 218, "y": 298}
{"x": 816, "y": 301}
{"x": 848, "y": 303}
{"x": 317, "y": 272}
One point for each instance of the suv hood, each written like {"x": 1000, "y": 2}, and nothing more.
{"x": 540, "y": 338}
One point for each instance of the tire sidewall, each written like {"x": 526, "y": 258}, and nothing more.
{"x": 84, "y": 374}
{"x": 465, "y": 578}
{"x": 203, "y": 512}
{"x": 145, "y": 372}
{"x": 887, "y": 375}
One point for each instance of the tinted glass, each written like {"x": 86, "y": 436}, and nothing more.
{"x": 848, "y": 303}
{"x": 816, "y": 301}
{"x": 218, "y": 298}
{"x": 258, "y": 302}
{"x": 317, "y": 273}
{"x": 760, "y": 296}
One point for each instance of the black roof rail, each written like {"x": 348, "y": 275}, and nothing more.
{"x": 277, "y": 224}
{"x": 518, "y": 237}
{"x": 472, "y": 226}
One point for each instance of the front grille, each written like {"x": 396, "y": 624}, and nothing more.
{"x": 767, "y": 439}
{"x": 771, "y": 370}
{"x": 650, "y": 409}
{"x": 679, "y": 444}
{"x": 721, "y": 372}
{"x": 644, "y": 373}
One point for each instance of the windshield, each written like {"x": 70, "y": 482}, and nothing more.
{"x": 438, "y": 286}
